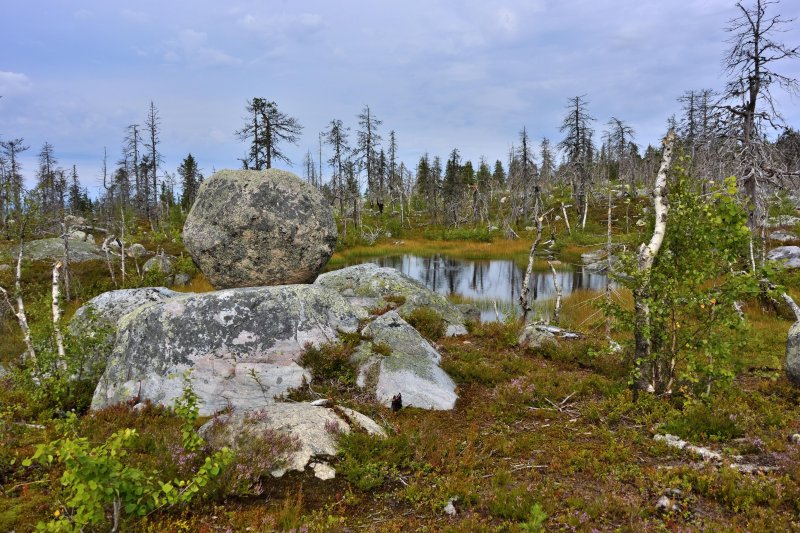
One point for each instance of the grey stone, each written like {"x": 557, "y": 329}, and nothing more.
{"x": 789, "y": 256}
{"x": 450, "y": 508}
{"x": 470, "y": 312}
{"x": 314, "y": 428}
{"x": 254, "y": 228}
{"x": 4, "y": 267}
{"x": 164, "y": 263}
{"x": 597, "y": 260}
{"x": 135, "y": 251}
{"x": 53, "y": 248}
{"x": 371, "y": 281}
{"x": 100, "y": 315}
{"x": 782, "y": 236}
{"x": 795, "y": 438}
{"x": 793, "y": 353}
{"x": 241, "y": 345}
{"x": 78, "y": 235}
{"x": 412, "y": 367}
{"x": 536, "y": 336}
{"x": 783, "y": 220}
{"x": 181, "y": 279}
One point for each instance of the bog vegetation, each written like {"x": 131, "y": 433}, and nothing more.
{"x": 688, "y": 341}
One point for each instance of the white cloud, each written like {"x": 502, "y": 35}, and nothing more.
{"x": 13, "y": 83}
{"x": 191, "y": 46}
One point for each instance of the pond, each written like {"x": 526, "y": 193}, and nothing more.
{"x": 484, "y": 282}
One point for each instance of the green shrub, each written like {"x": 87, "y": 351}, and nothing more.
{"x": 370, "y": 461}
{"x": 331, "y": 361}
{"x": 428, "y": 322}
{"x": 699, "y": 421}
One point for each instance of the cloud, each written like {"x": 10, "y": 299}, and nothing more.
{"x": 134, "y": 16}
{"x": 13, "y": 83}
{"x": 191, "y": 46}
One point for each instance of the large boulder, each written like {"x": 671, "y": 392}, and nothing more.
{"x": 313, "y": 430}
{"x": 793, "y": 353}
{"x": 97, "y": 319}
{"x": 789, "y": 256}
{"x": 240, "y": 345}
{"x": 411, "y": 367}
{"x": 362, "y": 283}
{"x": 253, "y": 228}
{"x": 53, "y": 248}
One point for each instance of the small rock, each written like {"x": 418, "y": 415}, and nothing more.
{"x": 783, "y": 236}
{"x": 322, "y": 402}
{"x": 789, "y": 256}
{"x": 450, "y": 509}
{"x": 666, "y": 505}
{"x": 3, "y": 268}
{"x": 181, "y": 279}
{"x": 323, "y": 471}
{"x": 135, "y": 250}
{"x": 795, "y": 439}
{"x": 164, "y": 263}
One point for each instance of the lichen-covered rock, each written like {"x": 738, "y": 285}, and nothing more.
{"x": 411, "y": 368}
{"x": 135, "y": 250}
{"x": 241, "y": 345}
{"x": 536, "y": 336}
{"x": 253, "y": 228}
{"x": 163, "y": 263}
{"x": 372, "y": 281}
{"x": 597, "y": 260}
{"x": 99, "y": 316}
{"x": 53, "y": 248}
{"x": 789, "y": 256}
{"x": 793, "y": 353}
{"x": 315, "y": 430}
{"x": 783, "y": 236}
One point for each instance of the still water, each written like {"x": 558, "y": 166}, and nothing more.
{"x": 484, "y": 282}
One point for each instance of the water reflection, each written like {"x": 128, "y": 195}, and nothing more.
{"x": 493, "y": 280}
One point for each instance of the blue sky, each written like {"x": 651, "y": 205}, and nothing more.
{"x": 441, "y": 74}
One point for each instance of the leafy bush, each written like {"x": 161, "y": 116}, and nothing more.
{"x": 331, "y": 361}
{"x": 370, "y": 461}
{"x": 700, "y": 421}
{"x": 98, "y": 482}
{"x": 428, "y": 322}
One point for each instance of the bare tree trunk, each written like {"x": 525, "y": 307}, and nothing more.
{"x": 566, "y": 218}
{"x": 64, "y": 233}
{"x": 557, "y": 285}
{"x": 642, "y": 363}
{"x": 19, "y": 312}
{"x": 585, "y": 213}
{"x": 526, "y": 281}
{"x": 122, "y": 243}
{"x": 56, "y": 310}
{"x": 608, "y": 268}
{"x": 105, "y": 248}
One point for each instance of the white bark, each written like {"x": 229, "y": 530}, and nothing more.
{"x": 19, "y": 312}
{"x": 566, "y": 218}
{"x": 647, "y": 254}
{"x": 557, "y": 285}
{"x": 56, "y": 310}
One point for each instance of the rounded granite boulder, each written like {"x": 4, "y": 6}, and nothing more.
{"x": 251, "y": 228}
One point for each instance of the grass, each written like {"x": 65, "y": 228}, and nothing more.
{"x": 545, "y": 439}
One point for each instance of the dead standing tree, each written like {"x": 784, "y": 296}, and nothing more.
{"x": 748, "y": 98}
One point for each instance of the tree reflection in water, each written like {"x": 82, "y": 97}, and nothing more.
{"x": 484, "y": 281}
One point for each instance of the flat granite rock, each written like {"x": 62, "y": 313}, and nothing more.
{"x": 369, "y": 280}
{"x": 240, "y": 345}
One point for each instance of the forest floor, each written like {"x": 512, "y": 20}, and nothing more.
{"x": 544, "y": 439}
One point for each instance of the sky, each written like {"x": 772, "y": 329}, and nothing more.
{"x": 441, "y": 74}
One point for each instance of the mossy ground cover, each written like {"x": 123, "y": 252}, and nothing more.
{"x": 539, "y": 438}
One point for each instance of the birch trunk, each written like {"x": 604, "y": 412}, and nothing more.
{"x": 645, "y": 370}
{"x": 19, "y": 312}
{"x": 557, "y": 286}
{"x": 56, "y": 310}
